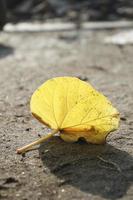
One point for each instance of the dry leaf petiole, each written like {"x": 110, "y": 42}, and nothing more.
{"x": 39, "y": 141}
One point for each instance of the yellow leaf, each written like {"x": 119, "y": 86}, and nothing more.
{"x": 75, "y": 109}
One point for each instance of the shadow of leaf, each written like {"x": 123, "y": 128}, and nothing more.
{"x": 79, "y": 165}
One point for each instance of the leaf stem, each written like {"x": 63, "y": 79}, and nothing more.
{"x": 39, "y": 141}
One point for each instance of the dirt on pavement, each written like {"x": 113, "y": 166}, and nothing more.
{"x": 59, "y": 170}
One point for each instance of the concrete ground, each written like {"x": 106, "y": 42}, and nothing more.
{"x": 58, "y": 170}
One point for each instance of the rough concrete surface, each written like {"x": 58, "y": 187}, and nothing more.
{"x": 59, "y": 170}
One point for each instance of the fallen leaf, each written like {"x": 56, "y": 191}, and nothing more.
{"x": 74, "y": 109}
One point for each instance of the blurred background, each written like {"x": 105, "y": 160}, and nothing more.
{"x": 65, "y": 10}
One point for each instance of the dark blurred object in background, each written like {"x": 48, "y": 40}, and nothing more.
{"x": 68, "y": 10}
{"x": 2, "y": 14}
